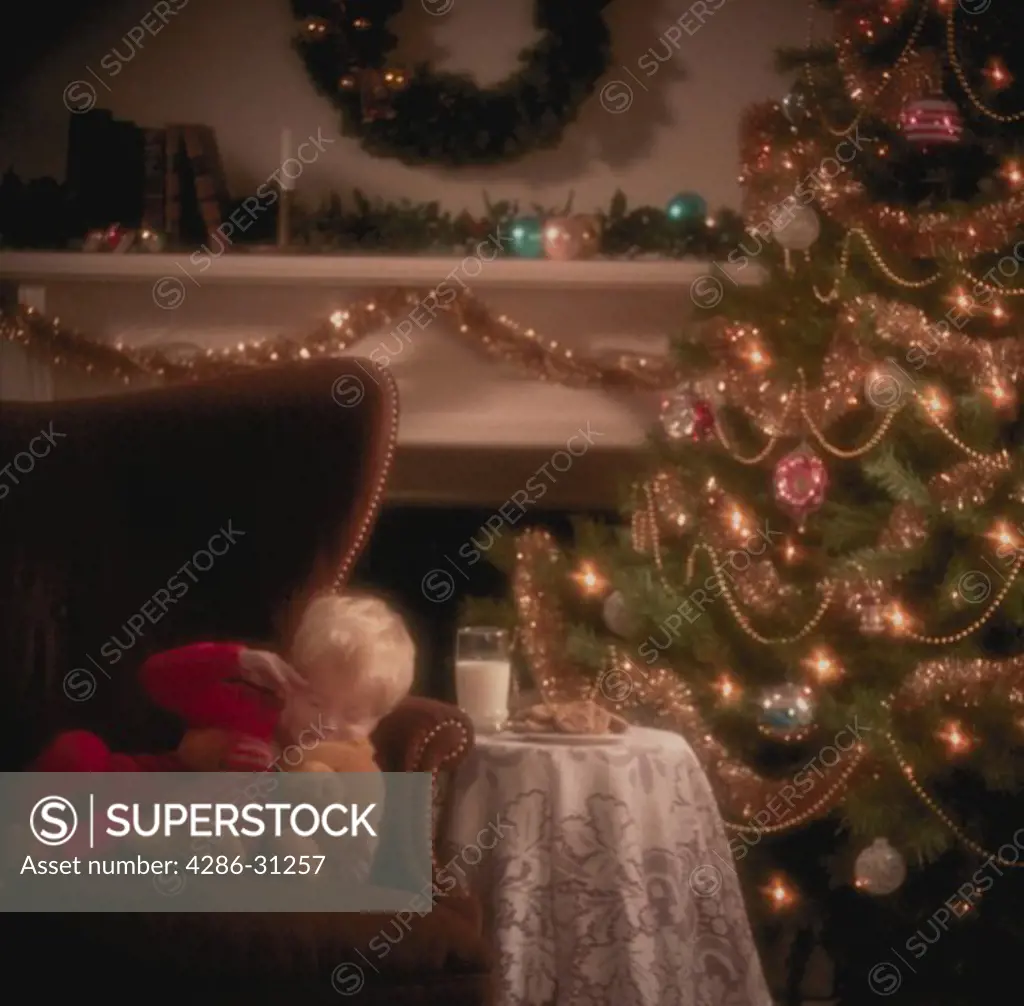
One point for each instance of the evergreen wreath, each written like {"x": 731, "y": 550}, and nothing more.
{"x": 428, "y": 117}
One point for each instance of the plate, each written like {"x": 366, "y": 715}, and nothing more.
{"x": 572, "y": 739}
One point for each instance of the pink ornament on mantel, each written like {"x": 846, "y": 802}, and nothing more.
{"x": 569, "y": 238}
{"x": 801, "y": 482}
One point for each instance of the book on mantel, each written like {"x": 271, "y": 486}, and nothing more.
{"x": 154, "y": 167}
{"x": 168, "y": 179}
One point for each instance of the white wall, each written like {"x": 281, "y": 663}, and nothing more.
{"x": 228, "y": 63}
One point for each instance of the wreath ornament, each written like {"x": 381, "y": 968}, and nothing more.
{"x": 428, "y": 117}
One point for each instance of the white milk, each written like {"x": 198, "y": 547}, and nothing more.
{"x": 481, "y": 689}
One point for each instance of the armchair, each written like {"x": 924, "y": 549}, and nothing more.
{"x": 209, "y": 511}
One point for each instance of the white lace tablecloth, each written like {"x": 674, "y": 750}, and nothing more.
{"x": 610, "y": 883}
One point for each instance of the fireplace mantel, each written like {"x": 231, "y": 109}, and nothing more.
{"x": 198, "y": 268}
{"x": 494, "y": 425}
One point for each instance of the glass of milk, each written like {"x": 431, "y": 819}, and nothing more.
{"x": 483, "y": 676}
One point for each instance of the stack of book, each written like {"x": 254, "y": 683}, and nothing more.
{"x": 169, "y": 180}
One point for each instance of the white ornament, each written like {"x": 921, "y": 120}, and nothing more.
{"x": 617, "y": 616}
{"x": 880, "y": 869}
{"x": 798, "y": 230}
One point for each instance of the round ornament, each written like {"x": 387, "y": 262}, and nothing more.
{"x": 151, "y": 240}
{"x": 617, "y": 615}
{"x": 801, "y": 482}
{"x": 687, "y": 416}
{"x": 795, "y": 107}
{"x": 798, "y": 230}
{"x": 687, "y": 206}
{"x": 932, "y": 121}
{"x": 569, "y": 238}
{"x": 527, "y": 237}
{"x": 786, "y": 712}
{"x": 880, "y": 869}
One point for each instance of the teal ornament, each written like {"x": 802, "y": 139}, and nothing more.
{"x": 687, "y": 206}
{"x": 528, "y": 237}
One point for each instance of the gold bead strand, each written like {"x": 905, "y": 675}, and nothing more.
{"x": 652, "y": 526}
{"x": 955, "y": 440}
{"x": 844, "y": 268}
{"x": 886, "y": 270}
{"x": 954, "y": 62}
{"x": 745, "y": 623}
{"x": 841, "y": 60}
{"x": 980, "y": 284}
{"x": 907, "y": 771}
{"x": 825, "y": 803}
{"x": 958, "y": 637}
{"x": 873, "y": 441}
{"x": 773, "y": 438}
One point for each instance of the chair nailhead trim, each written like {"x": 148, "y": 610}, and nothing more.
{"x": 421, "y": 750}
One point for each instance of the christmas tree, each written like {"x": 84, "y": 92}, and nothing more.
{"x": 819, "y": 584}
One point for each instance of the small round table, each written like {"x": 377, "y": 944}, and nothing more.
{"x": 605, "y": 873}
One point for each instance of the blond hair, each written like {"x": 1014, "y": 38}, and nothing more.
{"x": 362, "y": 646}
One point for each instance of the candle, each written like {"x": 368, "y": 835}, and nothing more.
{"x": 286, "y": 155}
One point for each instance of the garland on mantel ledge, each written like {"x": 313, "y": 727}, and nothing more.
{"x": 501, "y": 337}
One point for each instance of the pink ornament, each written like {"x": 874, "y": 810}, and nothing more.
{"x": 929, "y": 121}
{"x": 801, "y": 481}
{"x": 568, "y": 238}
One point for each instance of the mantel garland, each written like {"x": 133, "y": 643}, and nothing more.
{"x": 499, "y": 336}
{"x": 428, "y": 117}
{"x": 898, "y": 326}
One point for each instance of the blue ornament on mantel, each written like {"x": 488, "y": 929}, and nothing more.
{"x": 527, "y": 237}
{"x": 687, "y": 207}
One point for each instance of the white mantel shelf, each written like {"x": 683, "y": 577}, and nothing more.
{"x": 455, "y": 397}
{"x": 368, "y": 270}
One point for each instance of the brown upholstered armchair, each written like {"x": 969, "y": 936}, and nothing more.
{"x": 106, "y": 556}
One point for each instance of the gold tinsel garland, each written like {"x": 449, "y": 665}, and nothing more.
{"x": 502, "y": 338}
{"x": 778, "y": 410}
{"x": 853, "y": 376}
